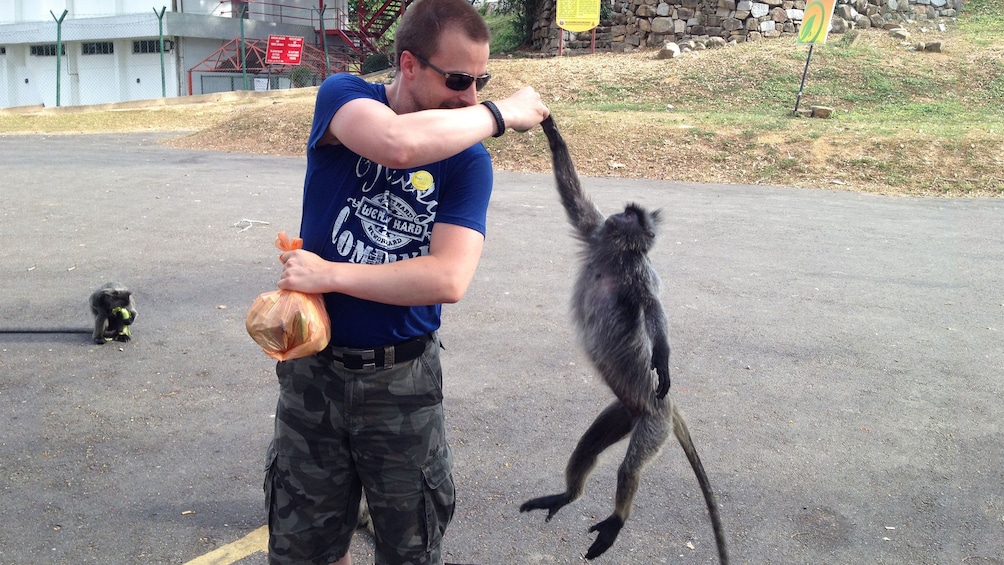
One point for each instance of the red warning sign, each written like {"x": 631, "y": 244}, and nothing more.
{"x": 284, "y": 50}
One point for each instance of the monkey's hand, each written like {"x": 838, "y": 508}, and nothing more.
{"x": 608, "y": 529}
{"x": 551, "y": 503}
{"x": 124, "y": 336}
{"x": 660, "y": 362}
{"x": 124, "y": 315}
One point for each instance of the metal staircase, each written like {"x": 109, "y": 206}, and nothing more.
{"x": 342, "y": 49}
{"x": 372, "y": 25}
{"x": 252, "y": 63}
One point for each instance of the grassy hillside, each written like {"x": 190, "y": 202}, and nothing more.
{"x": 906, "y": 122}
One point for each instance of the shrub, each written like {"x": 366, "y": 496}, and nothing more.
{"x": 375, "y": 62}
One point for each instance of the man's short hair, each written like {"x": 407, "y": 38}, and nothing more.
{"x": 425, "y": 20}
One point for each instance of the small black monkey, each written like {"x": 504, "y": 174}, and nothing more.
{"x": 622, "y": 326}
{"x": 114, "y": 311}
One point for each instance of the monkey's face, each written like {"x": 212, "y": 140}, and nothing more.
{"x": 117, "y": 298}
{"x": 634, "y": 229}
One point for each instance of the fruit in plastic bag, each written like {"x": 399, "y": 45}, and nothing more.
{"x": 288, "y": 324}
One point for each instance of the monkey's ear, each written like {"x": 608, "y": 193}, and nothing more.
{"x": 657, "y": 216}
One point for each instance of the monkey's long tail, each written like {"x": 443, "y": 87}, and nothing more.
{"x": 46, "y": 330}
{"x": 683, "y": 435}
{"x": 582, "y": 213}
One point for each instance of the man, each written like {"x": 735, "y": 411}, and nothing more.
{"x": 395, "y": 198}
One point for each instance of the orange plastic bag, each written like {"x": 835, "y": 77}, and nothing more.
{"x": 289, "y": 324}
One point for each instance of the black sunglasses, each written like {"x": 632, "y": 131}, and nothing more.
{"x": 458, "y": 81}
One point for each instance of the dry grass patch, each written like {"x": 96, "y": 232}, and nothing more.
{"x": 906, "y": 122}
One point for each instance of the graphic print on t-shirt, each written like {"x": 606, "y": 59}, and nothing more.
{"x": 392, "y": 218}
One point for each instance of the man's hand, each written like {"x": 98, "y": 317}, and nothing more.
{"x": 304, "y": 271}
{"x": 523, "y": 110}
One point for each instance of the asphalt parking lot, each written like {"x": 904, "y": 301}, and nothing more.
{"x": 838, "y": 355}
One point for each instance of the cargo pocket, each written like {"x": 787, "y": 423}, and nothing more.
{"x": 269, "y": 483}
{"x": 440, "y": 498}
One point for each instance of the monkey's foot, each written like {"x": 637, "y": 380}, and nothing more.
{"x": 551, "y": 503}
{"x": 123, "y": 337}
{"x": 608, "y": 529}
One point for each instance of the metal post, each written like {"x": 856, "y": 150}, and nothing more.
{"x": 244, "y": 51}
{"x": 804, "y": 72}
{"x": 324, "y": 43}
{"x": 160, "y": 30}
{"x": 59, "y": 52}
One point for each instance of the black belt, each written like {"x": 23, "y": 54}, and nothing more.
{"x": 381, "y": 357}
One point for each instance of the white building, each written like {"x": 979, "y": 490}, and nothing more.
{"x": 111, "y": 48}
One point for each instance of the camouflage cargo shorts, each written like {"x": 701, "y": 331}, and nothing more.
{"x": 338, "y": 432}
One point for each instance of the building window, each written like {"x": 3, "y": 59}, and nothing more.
{"x": 48, "y": 50}
{"x": 151, "y": 46}
{"x": 100, "y": 48}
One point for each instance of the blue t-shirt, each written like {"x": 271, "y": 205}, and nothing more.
{"x": 357, "y": 211}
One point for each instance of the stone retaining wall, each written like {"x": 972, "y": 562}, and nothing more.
{"x": 652, "y": 23}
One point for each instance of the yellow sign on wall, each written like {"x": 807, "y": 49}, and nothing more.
{"x": 578, "y": 15}
{"x": 816, "y": 22}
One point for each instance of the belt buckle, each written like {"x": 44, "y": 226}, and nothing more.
{"x": 370, "y": 356}
{"x": 358, "y": 361}
{"x": 365, "y": 360}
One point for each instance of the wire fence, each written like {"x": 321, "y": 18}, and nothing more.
{"x": 69, "y": 61}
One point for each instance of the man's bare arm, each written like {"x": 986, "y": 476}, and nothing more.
{"x": 441, "y": 277}
{"x": 399, "y": 141}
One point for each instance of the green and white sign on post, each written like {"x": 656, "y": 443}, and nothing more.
{"x": 815, "y": 27}
{"x": 816, "y": 21}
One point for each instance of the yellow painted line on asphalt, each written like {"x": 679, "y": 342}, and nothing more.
{"x": 233, "y": 552}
